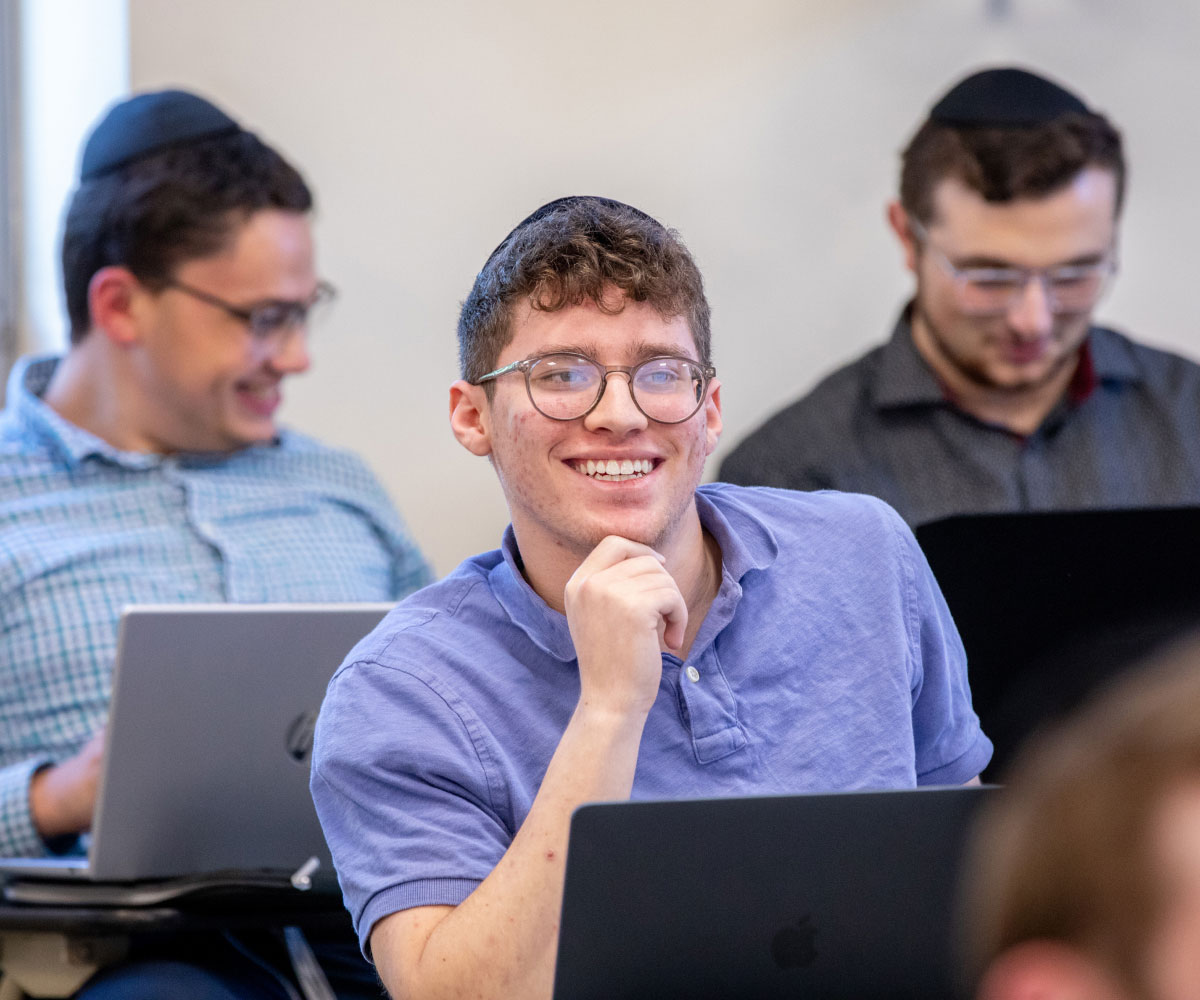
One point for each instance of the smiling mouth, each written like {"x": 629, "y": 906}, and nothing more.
{"x": 260, "y": 399}
{"x": 615, "y": 470}
{"x": 1026, "y": 351}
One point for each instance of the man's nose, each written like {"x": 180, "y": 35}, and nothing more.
{"x": 1031, "y": 314}
{"x": 289, "y": 355}
{"x": 616, "y": 411}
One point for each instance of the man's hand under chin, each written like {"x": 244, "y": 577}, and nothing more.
{"x": 623, "y": 608}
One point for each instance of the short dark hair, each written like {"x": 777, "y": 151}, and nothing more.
{"x": 180, "y": 204}
{"x": 572, "y": 251}
{"x": 1003, "y": 164}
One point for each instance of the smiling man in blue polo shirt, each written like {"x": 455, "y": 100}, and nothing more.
{"x": 636, "y": 634}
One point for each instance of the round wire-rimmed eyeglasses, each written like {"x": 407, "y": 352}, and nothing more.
{"x": 667, "y": 389}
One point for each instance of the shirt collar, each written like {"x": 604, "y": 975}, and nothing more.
{"x": 27, "y": 385}
{"x": 903, "y": 378}
{"x": 1112, "y": 357}
{"x": 746, "y": 544}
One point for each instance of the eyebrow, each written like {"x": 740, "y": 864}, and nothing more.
{"x": 641, "y": 351}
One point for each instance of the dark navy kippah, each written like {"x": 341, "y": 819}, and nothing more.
{"x": 573, "y": 199}
{"x": 1006, "y": 97}
{"x": 150, "y": 123}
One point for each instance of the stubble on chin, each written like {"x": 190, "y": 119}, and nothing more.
{"x": 593, "y": 534}
{"x": 987, "y": 375}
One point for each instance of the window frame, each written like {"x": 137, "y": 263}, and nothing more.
{"x": 9, "y": 188}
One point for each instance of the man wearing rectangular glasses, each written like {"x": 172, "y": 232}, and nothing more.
{"x": 147, "y": 466}
{"x": 636, "y": 635}
{"x": 996, "y": 392}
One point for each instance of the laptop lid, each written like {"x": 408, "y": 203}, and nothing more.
{"x": 818, "y": 896}
{"x": 210, "y": 731}
{"x": 1051, "y": 605}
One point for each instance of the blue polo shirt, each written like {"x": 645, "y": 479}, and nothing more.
{"x": 827, "y": 661}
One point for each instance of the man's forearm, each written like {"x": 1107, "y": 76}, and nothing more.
{"x": 501, "y": 941}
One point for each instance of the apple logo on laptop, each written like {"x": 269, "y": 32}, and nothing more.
{"x": 793, "y": 947}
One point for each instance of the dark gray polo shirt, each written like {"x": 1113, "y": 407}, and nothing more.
{"x": 1127, "y": 434}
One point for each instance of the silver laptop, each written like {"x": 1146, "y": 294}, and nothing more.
{"x": 848, "y": 896}
{"x": 210, "y": 730}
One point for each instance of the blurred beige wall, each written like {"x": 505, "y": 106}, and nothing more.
{"x": 765, "y": 131}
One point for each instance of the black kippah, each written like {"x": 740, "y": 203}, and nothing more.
{"x": 150, "y": 123}
{"x": 1006, "y": 97}
{"x": 557, "y": 203}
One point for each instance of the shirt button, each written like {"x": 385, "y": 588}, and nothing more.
{"x": 693, "y": 674}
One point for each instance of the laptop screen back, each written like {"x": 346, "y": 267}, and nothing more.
{"x": 207, "y": 759}
{"x": 1052, "y": 605}
{"x": 816, "y": 896}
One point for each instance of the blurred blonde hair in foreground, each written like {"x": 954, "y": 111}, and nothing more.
{"x": 1085, "y": 871}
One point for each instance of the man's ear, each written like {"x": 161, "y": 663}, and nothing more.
{"x": 713, "y": 422}
{"x": 470, "y": 417}
{"x": 897, "y": 219}
{"x": 112, "y": 295}
{"x": 1047, "y": 970}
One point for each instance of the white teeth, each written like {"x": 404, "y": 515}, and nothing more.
{"x": 614, "y": 471}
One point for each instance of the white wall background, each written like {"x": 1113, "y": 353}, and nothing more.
{"x": 766, "y": 131}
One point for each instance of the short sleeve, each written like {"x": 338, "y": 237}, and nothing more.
{"x": 405, "y": 793}
{"x": 950, "y": 746}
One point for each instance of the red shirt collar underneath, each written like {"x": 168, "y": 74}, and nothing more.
{"x": 1083, "y": 383}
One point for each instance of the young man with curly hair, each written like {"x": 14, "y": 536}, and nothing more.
{"x": 636, "y": 635}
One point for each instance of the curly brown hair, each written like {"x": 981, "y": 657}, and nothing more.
{"x": 1003, "y": 164}
{"x": 574, "y": 250}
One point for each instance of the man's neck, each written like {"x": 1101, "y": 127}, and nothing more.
{"x": 91, "y": 390}
{"x": 1020, "y": 410}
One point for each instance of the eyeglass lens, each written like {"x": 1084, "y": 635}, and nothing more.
{"x": 566, "y": 386}
{"x": 272, "y": 320}
{"x": 1068, "y": 289}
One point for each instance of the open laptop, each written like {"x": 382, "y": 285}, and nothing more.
{"x": 817, "y": 896}
{"x": 207, "y": 757}
{"x": 1052, "y": 605}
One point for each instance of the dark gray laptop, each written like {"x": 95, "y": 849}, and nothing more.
{"x": 207, "y": 759}
{"x": 816, "y": 896}
{"x": 1053, "y": 605}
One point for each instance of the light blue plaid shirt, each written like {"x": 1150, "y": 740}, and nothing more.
{"x": 86, "y": 529}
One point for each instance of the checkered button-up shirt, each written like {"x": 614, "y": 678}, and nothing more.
{"x": 86, "y": 529}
